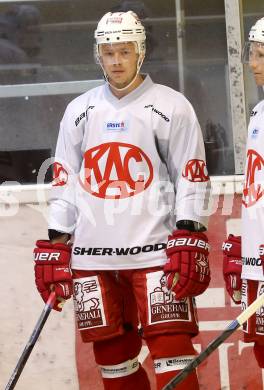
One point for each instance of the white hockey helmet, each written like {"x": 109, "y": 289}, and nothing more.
{"x": 256, "y": 34}
{"x": 121, "y": 27}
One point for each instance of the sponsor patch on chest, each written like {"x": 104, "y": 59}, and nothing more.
{"x": 115, "y": 126}
{"x": 255, "y": 133}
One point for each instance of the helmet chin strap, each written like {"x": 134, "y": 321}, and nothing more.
{"x": 139, "y": 64}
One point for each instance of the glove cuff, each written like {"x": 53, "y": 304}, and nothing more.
{"x": 184, "y": 240}
{"x": 232, "y": 246}
{"x": 46, "y": 244}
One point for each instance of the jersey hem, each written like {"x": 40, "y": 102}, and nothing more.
{"x": 118, "y": 267}
{"x": 257, "y": 278}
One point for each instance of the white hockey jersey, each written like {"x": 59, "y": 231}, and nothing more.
{"x": 253, "y": 199}
{"x": 126, "y": 169}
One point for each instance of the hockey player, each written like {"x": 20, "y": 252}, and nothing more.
{"x": 129, "y": 179}
{"x": 243, "y": 273}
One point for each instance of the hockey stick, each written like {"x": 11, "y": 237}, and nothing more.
{"x": 234, "y": 325}
{"x": 31, "y": 342}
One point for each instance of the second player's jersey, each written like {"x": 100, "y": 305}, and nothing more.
{"x": 253, "y": 197}
{"x": 126, "y": 169}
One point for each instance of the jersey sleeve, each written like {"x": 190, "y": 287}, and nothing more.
{"x": 66, "y": 167}
{"x": 187, "y": 166}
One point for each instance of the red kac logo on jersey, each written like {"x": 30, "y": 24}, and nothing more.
{"x": 60, "y": 175}
{"x": 252, "y": 190}
{"x": 196, "y": 171}
{"x": 116, "y": 170}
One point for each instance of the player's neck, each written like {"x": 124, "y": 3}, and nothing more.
{"x": 119, "y": 94}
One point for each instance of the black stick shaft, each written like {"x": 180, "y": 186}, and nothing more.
{"x": 243, "y": 317}
{"x": 31, "y": 342}
{"x": 202, "y": 356}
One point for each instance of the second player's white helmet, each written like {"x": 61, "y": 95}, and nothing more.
{"x": 256, "y": 34}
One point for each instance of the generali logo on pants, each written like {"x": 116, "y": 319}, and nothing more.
{"x": 116, "y": 170}
{"x": 88, "y": 303}
{"x": 163, "y": 305}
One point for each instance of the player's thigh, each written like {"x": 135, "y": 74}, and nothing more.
{"x": 99, "y": 301}
{"x": 158, "y": 308}
{"x": 168, "y": 326}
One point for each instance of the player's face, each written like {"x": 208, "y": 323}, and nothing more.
{"x": 120, "y": 62}
{"x": 256, "y": 61}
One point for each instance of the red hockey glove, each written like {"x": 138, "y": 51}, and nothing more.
{"x": 232, "y": 267}
{"x": 52, "y": 271}
{"x": 187, "y": 268}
